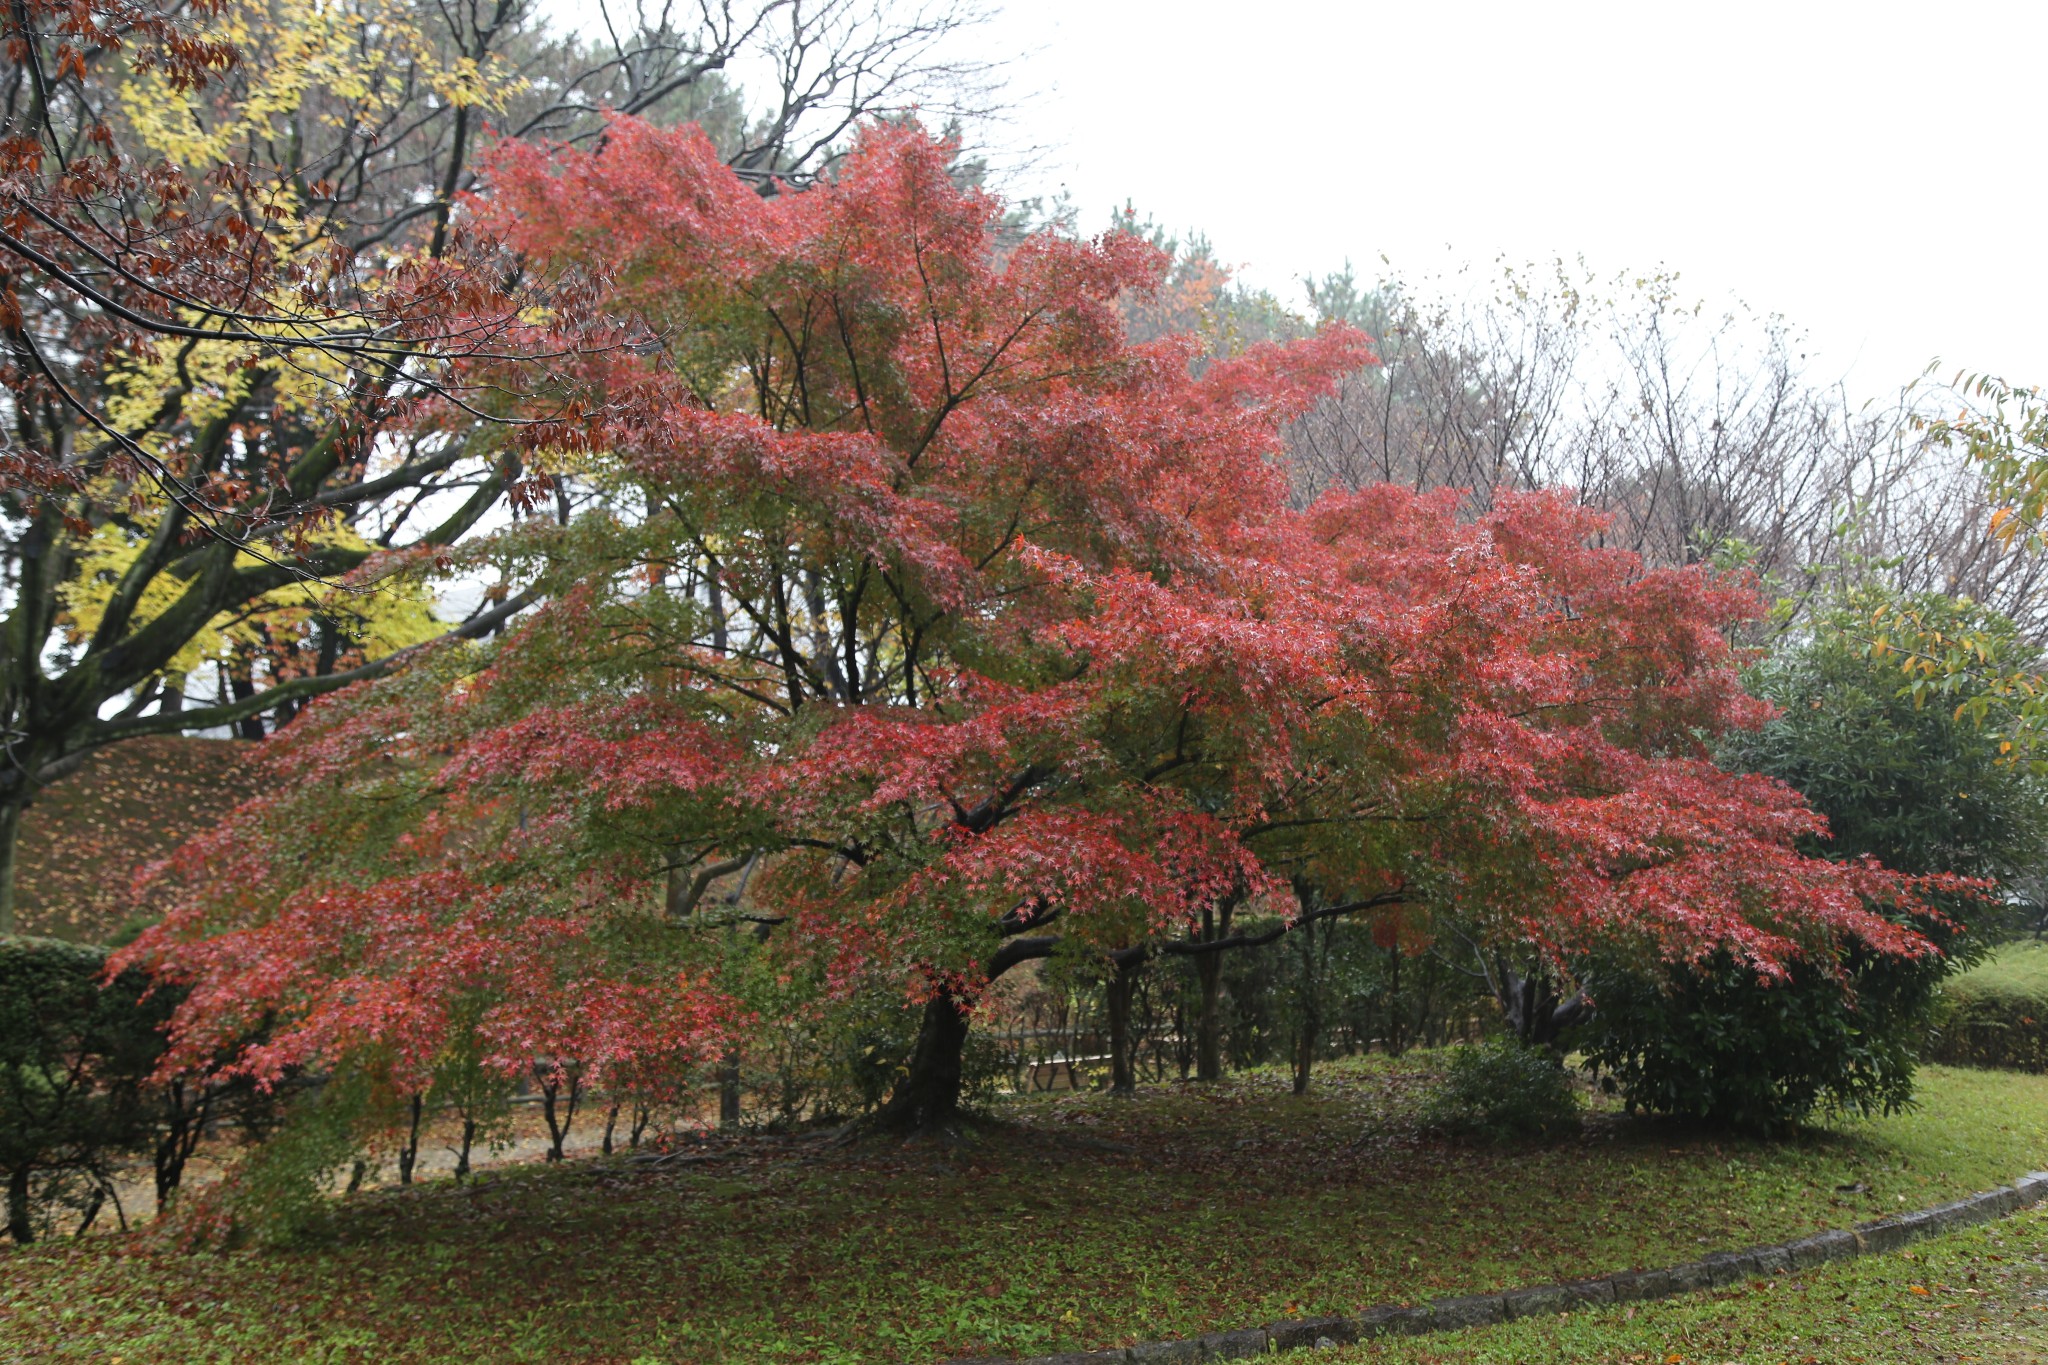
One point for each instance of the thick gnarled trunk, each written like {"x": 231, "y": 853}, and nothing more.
{"x": 928, "y": 1096}
{"x": 1533, "y": 1008}
{"x": 1122, "y": 985}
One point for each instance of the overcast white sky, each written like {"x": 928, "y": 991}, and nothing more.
{"x": 1874, "y": 172}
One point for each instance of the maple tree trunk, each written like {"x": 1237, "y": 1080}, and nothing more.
{"x": 92, "y": 1213}
{"x": 468, "y": 1140}
{"x": 19, "y": 1225}
{"x": 185, "y": 1115}
{"x": 1123, "y": 982}
{"x": 729, "y": 1091}
{"x": 1305, "y": 1049}
{"x": 928, "y": 1096}
{"x": 1535, "y": 1011}
{"x": 1393, "y": 1043}
{"x": 1208, "y": 1019}
{"x": 550, "y": 1093}
{"x": 409, "y": 1154}
{"x": 1315, "y": 964}
{"x": 10, "y": 831}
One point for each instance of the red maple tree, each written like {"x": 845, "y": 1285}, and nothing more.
{"x": 961, "y": 630}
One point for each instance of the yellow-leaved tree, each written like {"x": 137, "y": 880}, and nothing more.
{"x": 1951, "y": 659}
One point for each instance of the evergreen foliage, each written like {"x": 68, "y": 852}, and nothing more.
{"x": 1922, "y": 788}
{"x": 74, "y": 1062}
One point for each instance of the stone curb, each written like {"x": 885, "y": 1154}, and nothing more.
{"x": 1633, "y": 1286}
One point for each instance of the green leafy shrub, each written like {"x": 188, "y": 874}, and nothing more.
{"x": 277, "y": 1193}
{"x": 1996, "y": 1014}
{"x": 1923, "y": 789}
{"x": 1713, "y": 1043}
{"x": 1500, "y": 1091}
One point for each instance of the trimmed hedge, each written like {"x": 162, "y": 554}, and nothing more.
{"x": 1712, "y": 1043}
{"x": 75, "y": 1061}
{"x": 1996, "y": 1014}
{"x": 78, "y": 1092}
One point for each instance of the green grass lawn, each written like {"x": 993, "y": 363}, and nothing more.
{"x": 1980, "y": 1295}
{"x": 2019, "y": 969}
{"x": 1076, "y": 1221}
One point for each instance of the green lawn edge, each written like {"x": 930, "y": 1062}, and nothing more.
{"x": 1978, "y": 1294}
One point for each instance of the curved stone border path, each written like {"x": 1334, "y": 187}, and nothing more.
{"x": 1480, "y": 1310}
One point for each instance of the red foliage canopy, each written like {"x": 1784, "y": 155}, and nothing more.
{"x": 925, "y": 592}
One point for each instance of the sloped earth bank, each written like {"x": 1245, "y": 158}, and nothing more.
{"x": 86, "y": 835}
{"x": 1072, "y": 1222}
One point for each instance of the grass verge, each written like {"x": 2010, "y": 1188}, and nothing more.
{"x": 2017, "y": 969}
{"x": 1978, "y": 1295}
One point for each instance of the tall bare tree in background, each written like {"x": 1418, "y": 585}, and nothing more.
{"x": 1702, "y": 434}
{"x": 248, "y": 350}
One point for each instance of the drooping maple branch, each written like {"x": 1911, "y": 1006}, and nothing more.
{"x": 1228, "y": 942}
